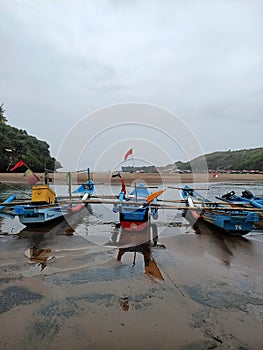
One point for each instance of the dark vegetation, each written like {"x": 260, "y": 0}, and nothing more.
{"x": 141, "y": 169}
{"x": 16, "y": 144}
{"x": 241, "y": 161}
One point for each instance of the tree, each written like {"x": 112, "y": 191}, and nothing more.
{"x": 3, "y": 119}
{"x": 16, "y": 144}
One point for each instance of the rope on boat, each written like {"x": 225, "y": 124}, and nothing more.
{"x": 15, "y": 188}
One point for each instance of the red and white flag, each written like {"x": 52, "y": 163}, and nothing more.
{"x": 215, "y": 175}
{"x": 128, "y": 154}
{"x": 18, "y": 165}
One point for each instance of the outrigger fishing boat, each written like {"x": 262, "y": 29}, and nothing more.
{"x": 135, "y": 208}
{"x": 233, "y": 221}
{"x": 87, "y": 187}
{"x": 45, "y": 207}
{"x": 247, "y": 199}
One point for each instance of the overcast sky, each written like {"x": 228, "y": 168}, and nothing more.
{"x": 200, "y": 60}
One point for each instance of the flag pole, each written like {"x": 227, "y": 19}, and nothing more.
{"x": 69, "y": 184}
{"x": 133, "y": 162}
{"x": 27, "y": 173}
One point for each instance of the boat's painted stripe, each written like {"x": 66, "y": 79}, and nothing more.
{"x": 134, "y": 226}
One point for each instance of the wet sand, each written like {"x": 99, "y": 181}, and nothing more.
{"x": 158, "y": 178}
{"x": 80, "y": 297}
{"x": 69, "y": 292}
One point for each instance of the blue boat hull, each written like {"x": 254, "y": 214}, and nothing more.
{"x": 32, "y": 215}
{"x": 135, "y": 217}
{"x": 234, "y": 223}
{"x": 87, "y": 187}
{"x": 246, "y": 201}
{"x": 134, "y": 214}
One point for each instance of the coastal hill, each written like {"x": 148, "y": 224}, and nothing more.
{"x": 16, "y": 144}
{"x": 245, "y": 160}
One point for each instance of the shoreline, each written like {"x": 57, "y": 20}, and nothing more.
{"x": 150, "y": 179}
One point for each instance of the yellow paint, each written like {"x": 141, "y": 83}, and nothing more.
{"x": 43, "y": 194}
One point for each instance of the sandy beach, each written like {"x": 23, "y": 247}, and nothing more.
{"x": 63, "y": 286}
{"x": 210, "y": 296}
{"x": 151, "y": 179}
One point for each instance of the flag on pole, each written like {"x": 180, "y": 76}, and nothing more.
{"x": 215, "y": 175}
{"x": 32, "y": 179}
{"x": 123, "y": 187}
{"x": 128, "y": 154}
{"x": 18, "y": 165}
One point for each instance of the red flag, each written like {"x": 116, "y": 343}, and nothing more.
{"x": 215, "y": 174}
{"x": 18, "y": 165}
{"x": 128, "y": 154}
{"x": 32, "y": 179}
{"x": 123, "y": 187}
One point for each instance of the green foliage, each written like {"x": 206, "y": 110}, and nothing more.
{"x": 3, "y": 119}
{"x": 16, "y": 144}
{"x": 246, "y": 159}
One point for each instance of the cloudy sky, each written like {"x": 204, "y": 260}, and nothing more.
{"x": 63, "y": 61}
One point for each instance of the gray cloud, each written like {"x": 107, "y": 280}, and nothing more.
{"x": 199, "y": 59}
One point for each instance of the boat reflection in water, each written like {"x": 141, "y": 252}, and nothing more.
{"x": 39, "y": 256}
{"x": 65, "y": 227}
{"x": 225, "y": 248}
{"x": 138, "y": 242}
{"x": 37, "y": 237}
